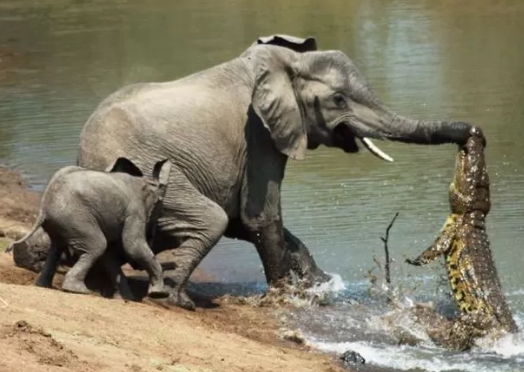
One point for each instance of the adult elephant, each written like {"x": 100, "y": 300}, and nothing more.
{"x": 229, "y": 132}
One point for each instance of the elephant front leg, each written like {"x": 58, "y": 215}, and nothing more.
{"x": 261, "y": 215}
{"x": 269, "y": 242}
{"x": 302, "y": 262}
{"x": 282, "y": 253}
{"x": 297, "y": 255}
{"x": 135, "y": 245}
{"x": 262, "y": 219}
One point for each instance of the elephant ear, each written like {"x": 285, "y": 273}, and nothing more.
{"x": 274, "y": 101}
{"x": 294, "y": 43}
{"x": 124, "y": 165}
{"x": 161, "y": 172}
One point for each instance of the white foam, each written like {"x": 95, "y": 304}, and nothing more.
{"x": 334, "y": 285}
{"x": 396, "y": 320}
{"x": 509, "y": 345}
{"x": 406, "y": 358}
{"x": 504, "y": 355}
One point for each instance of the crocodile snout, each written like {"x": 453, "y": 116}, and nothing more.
{"x": 469, "y": 190}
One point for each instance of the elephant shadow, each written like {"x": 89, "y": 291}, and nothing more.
{"x": 205, "y": 294}
{"x": 31, "y": 255}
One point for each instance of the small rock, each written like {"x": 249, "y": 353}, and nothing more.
{"x": 2, "y": 233}
{"x": 352, "y": 359}
{"x": 404, "y": 337}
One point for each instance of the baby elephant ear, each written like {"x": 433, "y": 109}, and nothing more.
{"x": 124, "y": 165}
{"x": 297, "y": 44}
{"x": 161, "y": 171}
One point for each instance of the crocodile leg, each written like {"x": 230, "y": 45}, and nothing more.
{"x": 441, "y": 245}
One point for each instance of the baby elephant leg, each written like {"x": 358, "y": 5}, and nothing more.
{"x": 135, "y": 245}
{"x": 45, "y": 278}
{"x": 91, "y": 247}
{"x": 119, "y": 282}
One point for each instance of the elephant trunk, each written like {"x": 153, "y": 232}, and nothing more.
{"x": 423, "y": 132}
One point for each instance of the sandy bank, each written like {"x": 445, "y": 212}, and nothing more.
{"x": 49, "y": 330}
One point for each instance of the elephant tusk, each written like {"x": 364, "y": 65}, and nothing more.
{"x": 375, "y": 150}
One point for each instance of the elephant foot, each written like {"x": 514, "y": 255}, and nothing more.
{"x": 311, "y": 279}
{"x": 301, "y": 262}
{"x": 122, "y": 292}
{"x": 43, "y": 282}
{"x": 127, "y": 296}
{"x": 173, "y": 300}
{"x": 75, "y": 287}
{"x": 181, "y": 299}
{"x": 158, "y": 291}
{"x": 319, "y": 277}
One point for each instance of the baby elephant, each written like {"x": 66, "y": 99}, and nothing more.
{"x": 84, "y": 212}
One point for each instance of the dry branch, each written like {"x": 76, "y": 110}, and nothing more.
{"x": 386, "y": 249}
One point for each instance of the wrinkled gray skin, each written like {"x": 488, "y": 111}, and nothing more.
{"x": 32, "y": 253}
{"x": 229, "y": 132}
{"x": 84, "y": 212}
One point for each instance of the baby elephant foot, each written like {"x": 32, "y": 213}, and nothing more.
{"x": 127, "y": 296}
{"x": 122, "y": 292}
{"x": 43, "y": 282}
{"x": 75, "y": 287}
{"x": 158, "y": 291}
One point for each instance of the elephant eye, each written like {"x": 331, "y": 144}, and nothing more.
{"x": 339, "y": 100}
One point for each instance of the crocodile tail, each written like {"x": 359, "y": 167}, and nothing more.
{"x": 39, "y": 220}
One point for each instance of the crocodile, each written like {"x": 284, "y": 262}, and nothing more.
{"x": 464, "y": 243}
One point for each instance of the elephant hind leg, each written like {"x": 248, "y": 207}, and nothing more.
{"x": 91, "y": 247}
{"x": 120, "y": 285}
{"x": 198, "y": 223}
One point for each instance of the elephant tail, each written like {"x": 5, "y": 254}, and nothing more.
{"x": 39, "y": 220}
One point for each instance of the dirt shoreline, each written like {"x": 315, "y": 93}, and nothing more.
{"x": 45, "y": 329}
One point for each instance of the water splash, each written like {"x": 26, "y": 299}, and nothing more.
{"x": 334, "y": 286}
{"x": 404, "y": 358}
{"x": 365, "y": 324}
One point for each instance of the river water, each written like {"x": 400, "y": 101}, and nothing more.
{"x": 424, "y": 58}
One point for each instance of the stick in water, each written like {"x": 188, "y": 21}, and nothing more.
{"x": 386, "y": 249}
